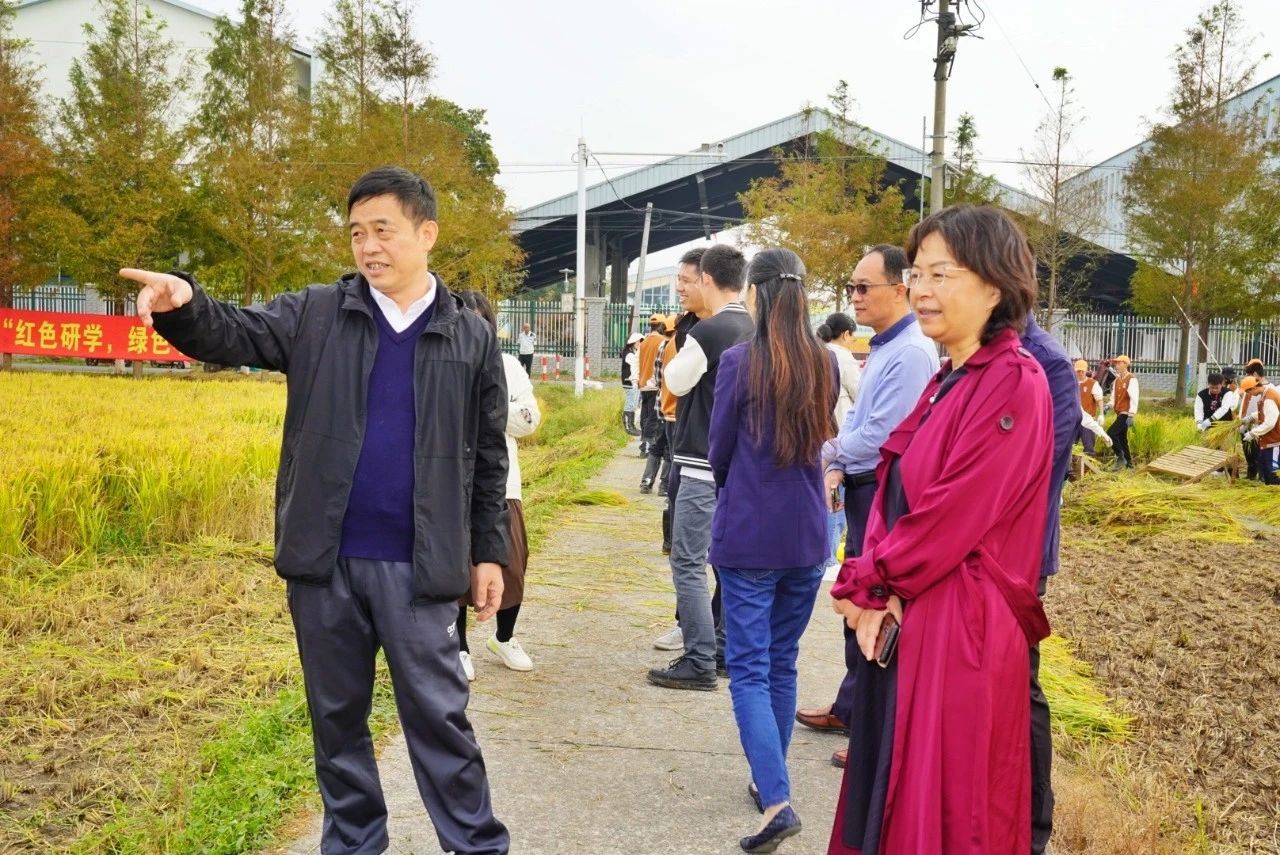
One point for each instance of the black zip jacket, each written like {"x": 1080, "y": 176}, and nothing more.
{"x": 324, "y": 339}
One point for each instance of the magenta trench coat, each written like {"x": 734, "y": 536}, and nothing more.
{"x": 965, "y": 558}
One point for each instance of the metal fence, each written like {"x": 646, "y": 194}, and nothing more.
{"x": 554, "y": 326}
{"x": 1152, "y": 343}
{"x": 66, "y": 296}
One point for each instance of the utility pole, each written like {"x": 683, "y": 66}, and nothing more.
{"x": 644, "y": 251}
{"x": 941, "y": 71}
{"x": 580, "y": 321}
{"x": 949, "y": 33}
{"x": 580, "y": 294}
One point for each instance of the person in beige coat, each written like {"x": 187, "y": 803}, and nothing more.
{"x": 523, "y": 418}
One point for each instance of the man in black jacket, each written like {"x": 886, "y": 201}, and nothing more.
{"x": 390, "y": 500}
{"x": 691, "y": 376}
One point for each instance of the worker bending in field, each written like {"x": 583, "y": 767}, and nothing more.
{"x": 1261, "y": 425}
{"x": 1249, "y": 448}
{"x": 1091, "y": 405}
{"x": 1215, "y": 403}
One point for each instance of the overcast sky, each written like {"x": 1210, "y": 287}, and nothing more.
{"x": 662, "y": 75}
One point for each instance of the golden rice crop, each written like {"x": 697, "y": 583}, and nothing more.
{"x": 1129, "y": 507}
{"x": 95, "y": 463}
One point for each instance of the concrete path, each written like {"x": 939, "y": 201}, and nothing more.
{"x": 584, "y": 756}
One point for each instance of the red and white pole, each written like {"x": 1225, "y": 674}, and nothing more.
{"x": 586, "y": 362}
{"x": 544, "y": 369}
{"x": 557, "y": 366}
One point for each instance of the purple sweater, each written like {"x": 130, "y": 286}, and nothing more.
{"x": 379, "y": 520}
{"x": 768, "y": 517}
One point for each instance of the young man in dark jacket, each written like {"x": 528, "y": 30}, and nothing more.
{"x": 691, "y": 376}
{"x": 390, "y": 500}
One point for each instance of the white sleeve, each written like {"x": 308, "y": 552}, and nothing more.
{"x": 1097, "y": 394}
{"x": 681, "y": 374}
{"x": 1090, "y": 423}
{"x": 1228, "y": 404}
{"x": 1133, "y": 396}
{"x": 850, "y": 374}
{"x": 1199, "y": 410}
{"x": 634, "y": 361}
{"x": 523, "y": 415}
{"x": 1270, "y": 415}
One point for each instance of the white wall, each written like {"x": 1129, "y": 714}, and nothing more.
{"x": 1263, "y": 99}
{"x": 55, "y": 30}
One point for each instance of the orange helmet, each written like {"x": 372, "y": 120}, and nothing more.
{"x": 1248, "y": 383}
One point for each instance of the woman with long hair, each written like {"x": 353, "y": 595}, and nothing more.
{"x": 773, "y": 411}
{"x": 523, "y": 418}
{"x": 942, "y": 597}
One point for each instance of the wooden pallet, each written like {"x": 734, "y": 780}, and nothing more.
{"x": 1082, "y": 465}
{"x": 1191, "y": 463}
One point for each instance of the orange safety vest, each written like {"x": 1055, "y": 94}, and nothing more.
{"x": 1087, "y": 402}
{"x": 1122, "y": 393}
{"x": 1272, "y": 438}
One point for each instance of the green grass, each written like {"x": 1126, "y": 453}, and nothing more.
{"x": 261, "y": 768}
{"x": 150, "y": 685}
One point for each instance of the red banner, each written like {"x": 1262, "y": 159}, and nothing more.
{"x": 85, "y": 336}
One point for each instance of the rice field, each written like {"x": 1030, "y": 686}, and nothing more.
{"x": 149, "y": 690}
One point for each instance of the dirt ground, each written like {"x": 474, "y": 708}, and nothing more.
{"x": 1184, "y": 637}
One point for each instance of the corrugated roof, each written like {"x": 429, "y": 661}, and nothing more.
{"x": 908, "y": 158}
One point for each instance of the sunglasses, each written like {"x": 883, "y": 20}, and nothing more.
{"x": 861, "y": 288}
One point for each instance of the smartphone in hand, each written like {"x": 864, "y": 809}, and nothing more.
{"x": 887, "y": 641}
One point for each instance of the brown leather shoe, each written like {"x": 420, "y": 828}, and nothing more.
{"x": 821, "y": 720}
{"x": 841, "y": 758}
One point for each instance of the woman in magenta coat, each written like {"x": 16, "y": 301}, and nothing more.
{"x": 939, "y": 738}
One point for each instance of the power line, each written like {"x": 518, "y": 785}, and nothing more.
{"x": 1014, "y": 48}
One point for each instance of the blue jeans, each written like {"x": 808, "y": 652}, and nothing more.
{"x": 765, "y": 613}
{"x": 835, "y": 531}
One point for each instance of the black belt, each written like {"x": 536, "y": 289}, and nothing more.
{"x": 860, "y": 479}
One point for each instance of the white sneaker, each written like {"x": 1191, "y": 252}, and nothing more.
{"x": 468, "y": 667}
{"x": 511, "y": 653}
{"x": 673, "y": 640}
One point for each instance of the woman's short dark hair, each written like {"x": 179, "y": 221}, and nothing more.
{"x": 477, "y": 302}
{"x": 839, "y": 323}
{"x": 417, "y": 199}
{"x": 984, "y": 239}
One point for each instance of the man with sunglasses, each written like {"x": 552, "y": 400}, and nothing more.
{"x": 900, "y": 365}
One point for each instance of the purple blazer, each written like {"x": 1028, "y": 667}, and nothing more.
{"x": 768, "y": 517}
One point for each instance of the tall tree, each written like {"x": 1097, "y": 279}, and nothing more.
{"x": 265, "y": 221}
{"x": 968, "y": 185}
{"x": 405, "y": 64}
{"x": 1065, "y": 225}
{"x": 375, "y": 109}
{"x": 121, "y": 188}
{"x": 26, "y": 167}
{"x": 829, "y": 202}
{"x": 348, "y": 92}
{"x": 1201, "y": 194}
